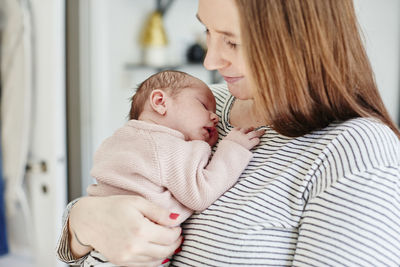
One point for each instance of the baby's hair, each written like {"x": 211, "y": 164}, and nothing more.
{"x": 169, "y": 81}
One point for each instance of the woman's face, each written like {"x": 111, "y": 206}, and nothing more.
{"x": 224, "y": 48}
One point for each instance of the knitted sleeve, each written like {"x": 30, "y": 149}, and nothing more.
{"x": 196, "y": 181}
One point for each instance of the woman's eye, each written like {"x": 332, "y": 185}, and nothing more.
{"x": 231, "y": 44}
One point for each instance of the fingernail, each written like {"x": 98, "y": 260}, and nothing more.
{"x": 178, "y": 250}
{"x": 173, "y": 216}
{"x": 165, "y": 261}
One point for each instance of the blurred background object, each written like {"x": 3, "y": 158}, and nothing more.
{"x": 33, "y": 128}
{"x": 154, "y": 39}
{"x": 195, "y": 53}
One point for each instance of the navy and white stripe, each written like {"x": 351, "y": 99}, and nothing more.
{"x": 329, "y": 198}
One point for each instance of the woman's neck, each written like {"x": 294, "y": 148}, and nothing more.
{"x": 243, "y": 115}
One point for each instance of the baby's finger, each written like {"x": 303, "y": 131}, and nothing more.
{"x": 252, "y": 142}
{"x": 247, "y": 129}
{"x": 260, "y": 132}
{"x": 254, "y": 134}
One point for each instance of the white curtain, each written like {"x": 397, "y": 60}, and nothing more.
{"x": 16, "y": 105}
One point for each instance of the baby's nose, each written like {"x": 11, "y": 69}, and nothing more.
{"x": 214, "y": 118}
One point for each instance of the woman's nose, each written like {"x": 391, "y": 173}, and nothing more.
{"x": 214, "y": 118}
{"x": 214, "y": 59}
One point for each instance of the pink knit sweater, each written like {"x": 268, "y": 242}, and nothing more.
{"x": 156, "y": 162}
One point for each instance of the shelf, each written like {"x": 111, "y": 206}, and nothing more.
{"x": 215, "y": 76}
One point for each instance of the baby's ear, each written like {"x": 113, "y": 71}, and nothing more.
{"x": 157, "y": 101}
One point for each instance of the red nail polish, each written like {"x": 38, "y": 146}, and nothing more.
{"x": 173, "y": 216}
{"x": 178, "y": 250}
{"x": 165, "y": 261}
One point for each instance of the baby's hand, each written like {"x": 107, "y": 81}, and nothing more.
{"x": 246, "y": 137}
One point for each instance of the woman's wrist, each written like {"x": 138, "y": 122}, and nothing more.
{"x": 79, "y": 242}
{"x": 78, "y": 249}
{"x": 78, "y": 246}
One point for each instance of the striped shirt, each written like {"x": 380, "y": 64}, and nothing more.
{"x": 328, "y": 198}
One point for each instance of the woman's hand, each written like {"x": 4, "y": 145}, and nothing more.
{"x": 127, "y": 230}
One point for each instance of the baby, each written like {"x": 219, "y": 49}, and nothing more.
{"x": 163, "y": 152}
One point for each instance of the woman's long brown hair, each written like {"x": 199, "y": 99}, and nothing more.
{"x": 311, "y": 67}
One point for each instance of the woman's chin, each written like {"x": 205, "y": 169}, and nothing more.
{"x": 239, "y": 91}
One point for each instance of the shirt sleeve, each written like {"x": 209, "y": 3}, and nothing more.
{"x": 196, "y": 181}
{"x": 63, "y": 250}
{"x": 353, "y": 222}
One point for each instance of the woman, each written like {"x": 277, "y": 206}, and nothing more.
{"x": 323, "y": 186}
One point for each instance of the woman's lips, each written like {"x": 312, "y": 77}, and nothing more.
{"x": 232, "y": 79}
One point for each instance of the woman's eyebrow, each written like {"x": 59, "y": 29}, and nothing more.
{"x": 227, "y": 33}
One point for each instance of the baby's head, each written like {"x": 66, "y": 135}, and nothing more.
{"x": 179, "y": 101}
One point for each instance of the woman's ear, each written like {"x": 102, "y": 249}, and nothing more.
{"x": 157, "y": 101}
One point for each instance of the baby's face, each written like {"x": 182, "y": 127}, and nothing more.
{"x": 193, "y": 113}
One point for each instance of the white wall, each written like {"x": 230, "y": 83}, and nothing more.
{"x": 380, "y": 22}
{"x": 32, "y": 238}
